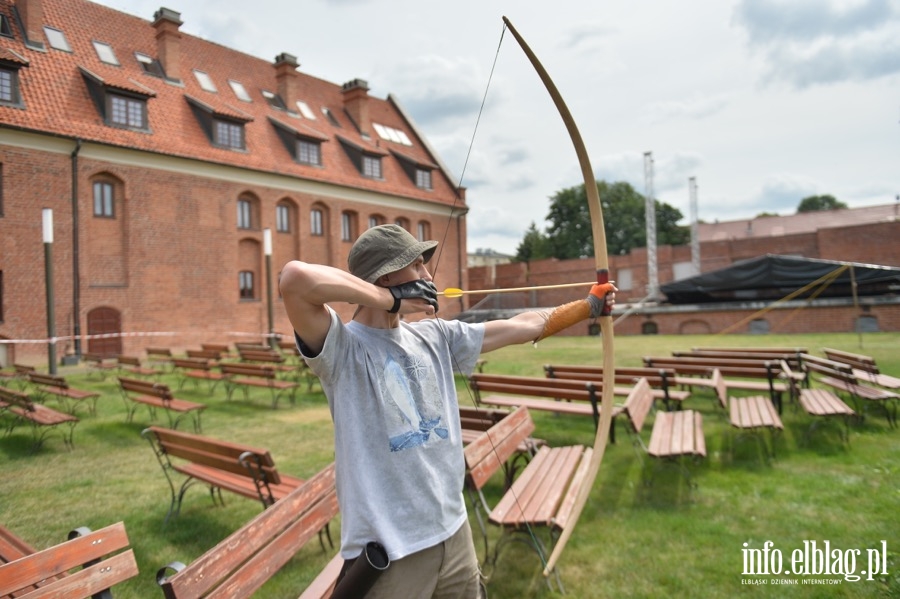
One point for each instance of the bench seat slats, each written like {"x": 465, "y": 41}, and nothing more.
{"x": 247, "y": 558}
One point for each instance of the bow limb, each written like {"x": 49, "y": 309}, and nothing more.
{"x": 602, "y": 264}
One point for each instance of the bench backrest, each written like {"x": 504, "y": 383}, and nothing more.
{"x": 23, "y": 369}
{"x": 159, "y": 351}
{"x": 638, "y": 404}
{"x": 191, "y": 363}
{"x": 87, "y": 550}
{"x": 253, "y": 462}
{"x": 159, "y": 390}
{"x": 828, "y": 368}
{"x": 261, "y": 356}
{"x": 533, "y": 386}
{"x": 219, "y": 347}
{"x": 657, "y": 377}
{"x": 246, "y": 559}
{"x": 858, "y": 361}
{"x": 260, "y": 370}
{"x": 50, "y": 380}
{"x": 16, "y": 398}
{"x": 752, "y": 356}
{"x": 128, "y": 360}
{"x": 207, "y": 354}
{"x": 487, "y": 454}
{"x": 96, "y": 358}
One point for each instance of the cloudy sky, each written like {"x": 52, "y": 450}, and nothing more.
{"x": 764, "y": 102}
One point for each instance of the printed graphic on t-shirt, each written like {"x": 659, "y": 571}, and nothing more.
{"x": 413, "y": 407}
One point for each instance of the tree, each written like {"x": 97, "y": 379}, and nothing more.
{"x": 569, "y": 233}
{"x": 533, "y": 246}
{"x": 821, "y": 202}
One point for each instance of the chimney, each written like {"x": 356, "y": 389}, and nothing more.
{"x": 168, "y": 41}
{"x": 356, "y": 104}
{"x": 31, "y": 12}
{"x": 288, "y": 80}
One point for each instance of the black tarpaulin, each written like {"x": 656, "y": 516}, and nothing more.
{"x": 772, "y": 277}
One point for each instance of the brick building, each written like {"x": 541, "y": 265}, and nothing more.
{"x": 165, "y": 158}
{"x": 862, "y": 235}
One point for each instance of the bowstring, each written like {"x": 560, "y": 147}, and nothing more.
{"x": 535, "y": 543}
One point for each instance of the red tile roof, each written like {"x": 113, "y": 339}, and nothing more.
{"x": 57, "y": 100}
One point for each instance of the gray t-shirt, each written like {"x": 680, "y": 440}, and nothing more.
{"x": 398, "y": 450}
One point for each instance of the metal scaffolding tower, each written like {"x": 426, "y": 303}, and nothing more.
{"x": 695, "y": 227}
{"x": 652, "y": 273}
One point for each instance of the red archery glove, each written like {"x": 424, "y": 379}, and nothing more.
{"x": 602, "y": 298}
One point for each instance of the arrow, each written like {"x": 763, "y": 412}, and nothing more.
{"x": 454, "y": 292}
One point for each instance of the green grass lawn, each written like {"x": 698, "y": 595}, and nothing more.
{"x": 632, "y": 540}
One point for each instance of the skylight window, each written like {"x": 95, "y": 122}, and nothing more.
{"x": 4, "y": 26}
{"x": 391, "y": 134}
{"x": 305, "y": 110}
{"x": 205, "y": 81}
{"x": 57, "y": 39}
{"x": 106, "y": 53}
{"x": 239, "y": 90}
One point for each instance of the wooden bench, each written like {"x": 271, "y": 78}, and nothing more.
{"x": 825, "y": 402}
{"x": 99, "y": 365}
{"x": 158, "y": 395}
{"x": 675, "y": 435}
{"x": 474, "y": 421}
{"x": 241, "y": 563}
{"x": 660, "y": 379}
{"x": 49, "y": 384}
{"x": 236, "y": 467}
{"x": 256, "y": 375}
{"x": 842, "y": 378}
{"x": 197, "y": 369}
{"x": 42, "y": 419}
{"x": 693, "y": 371}
{"x": 132, "y": 365}
{"x": 12, "y": 546}
{"x": 159, "y": 355}
{"x": 579, "y": 398}
{"x": 103, "y": 557}
{"x": 864, "y": 367}
{"x": 19, "y": 374}
{"x": 752, "y": 415}
{"x": 543, "y": 494}
{"x": 212, "y": 356}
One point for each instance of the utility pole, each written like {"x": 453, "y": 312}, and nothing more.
{"x": 695, "y": 227}
{"x": 650, "y": 210}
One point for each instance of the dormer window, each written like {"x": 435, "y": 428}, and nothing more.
{"x": 418, "y": 172}
{"x": 10, "y": 63}
{"x": 304, "y": 145}
{"x": 228, "y": 134}
{"x": 106, "y": 53}
{"x": 331, "y": 118}
{"x": 127, "y": 112}
{"x": 274, "y": 100}
{"x": 223, "y": 126}
{"x": 57, "y": 39}
{"x": 121, "y": 101}
{"x": 371, "y": 166}
{"x": 5, "y": 29}
{"x": 205, "y": 81}
{"x": 367, "y": 161}
{"x": 150, "y": 65}
{"x": 423, "y": 178}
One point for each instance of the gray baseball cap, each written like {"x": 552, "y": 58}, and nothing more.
{"x": 385, "y": 249}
